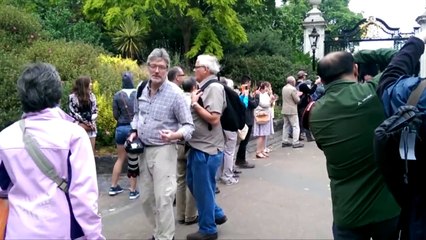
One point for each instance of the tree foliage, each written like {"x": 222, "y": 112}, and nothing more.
{"x": 338, "y": 16}
{"x": 127, "y": 38}
{"x": 203, "y": 19}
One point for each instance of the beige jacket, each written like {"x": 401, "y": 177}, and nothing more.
{"x": 290, "y": 100}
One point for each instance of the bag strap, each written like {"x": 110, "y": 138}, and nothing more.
{"x": 125, "y": 105}
{"x": 414, "y": 97}
{"x": 33, "y": 149}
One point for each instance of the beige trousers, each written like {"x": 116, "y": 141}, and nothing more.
{"x": 185, "y": 203}
{"x": 291, "y": 121}
{"x": 158, "y": 188}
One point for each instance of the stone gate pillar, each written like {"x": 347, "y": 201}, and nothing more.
{"x": 421, "y": 20}
{"x": 314, "y": 19}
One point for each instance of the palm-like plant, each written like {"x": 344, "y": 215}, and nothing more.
{"x": 128, "y": 38}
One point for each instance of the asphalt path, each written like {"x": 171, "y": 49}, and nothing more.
{"x": 287, "y": 196}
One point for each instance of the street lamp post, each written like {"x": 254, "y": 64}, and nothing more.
{"x": 313, "y": 38}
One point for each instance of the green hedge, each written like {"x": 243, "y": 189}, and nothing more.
{"x": 274, "y": 69}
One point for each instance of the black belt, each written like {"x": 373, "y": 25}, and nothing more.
{"x": 122, "y": 124}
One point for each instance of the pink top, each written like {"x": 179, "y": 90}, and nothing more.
{"x": 38, "y": 208}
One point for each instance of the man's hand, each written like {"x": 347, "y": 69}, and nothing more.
{"x": 132, "y": 136}
{"x": 195, "y": 95}
{"x": 318, "y": 81}
{"x": 168, "y": 135}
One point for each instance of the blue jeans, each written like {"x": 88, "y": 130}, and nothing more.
{"x": 200, "y": 177}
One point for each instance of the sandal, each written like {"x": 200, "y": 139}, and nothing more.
{"x": 260, "y": 155}
{"x": 265, "y": 153}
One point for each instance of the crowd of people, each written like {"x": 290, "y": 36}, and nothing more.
{"x": 49, "y": 175}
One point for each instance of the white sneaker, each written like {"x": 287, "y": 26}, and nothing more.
{"x": 230, "y": 181}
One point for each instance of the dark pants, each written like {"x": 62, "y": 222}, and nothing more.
{"x": 413, "y": 218}
{"x": 385, "y": 230}
{"x": 241, "y": 154}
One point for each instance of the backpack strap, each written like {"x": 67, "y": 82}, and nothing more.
{"x": 125, "y": 104}
{"x": 141, "y": 88}
{"x": 414, "y": 97}
{"x": 33, "y": 149}
{"x": 200, "y": 101}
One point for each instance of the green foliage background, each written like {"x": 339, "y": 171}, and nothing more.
{"x": 79, "y": 37}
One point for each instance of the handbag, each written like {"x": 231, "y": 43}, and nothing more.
{"x": 242, "y": 133}
{"x": 4, "y": 214}
{"x": 262, "y": 117}
{"x": 134, "y": 147}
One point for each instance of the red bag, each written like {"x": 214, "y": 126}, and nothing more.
{"x": 306, "y": 114}
{"x": 4, "y": 213}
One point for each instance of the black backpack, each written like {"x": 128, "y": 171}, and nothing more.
{"x": 398, "y": 148}
{"x": 233, "y": 116}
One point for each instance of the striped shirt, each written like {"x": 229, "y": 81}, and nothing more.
{"x": 165, "y": 110}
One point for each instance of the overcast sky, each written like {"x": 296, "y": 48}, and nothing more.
{"x": 397, "y": 13}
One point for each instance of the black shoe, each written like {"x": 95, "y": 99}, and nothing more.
{"x": 192, "y": 222}
{"x": 310, "y": 140}
{"x": 245, "y": 165}
{"x": 217, "y": 191}
{"x": 286, "y": 145}
{"x": 181, "y": 221}
{"x": 220, "y": 221}
{"x": 201, "y": 236}
{"x": 237, "y": 171}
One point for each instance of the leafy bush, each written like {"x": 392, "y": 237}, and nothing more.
{"x": 21, "y": 27}
{"x": 10, "y": 66}
{"x": 72, "y": 59}
{"x": 61, "y": 25}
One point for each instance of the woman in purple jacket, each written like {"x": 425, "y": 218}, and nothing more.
{"x": 39, "y": 209}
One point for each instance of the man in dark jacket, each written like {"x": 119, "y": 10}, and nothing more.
{"x": 250, "y": 102}
{"x": 343, "y": 122}
{"x": 305, "y": 98}
{"x": 395, "y": 87}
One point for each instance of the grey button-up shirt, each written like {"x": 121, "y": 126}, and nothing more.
{"x": 167, "y": 109}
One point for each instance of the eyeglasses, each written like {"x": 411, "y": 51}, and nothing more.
{"x": 181, "y": 75}
{"x": 196, "y": 67}
{"x": 159, "y": 67}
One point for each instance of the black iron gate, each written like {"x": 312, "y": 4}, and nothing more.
{"x": 366, "y": 30}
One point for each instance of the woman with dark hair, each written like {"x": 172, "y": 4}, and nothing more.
{"x": 122, "y": 109}
{"x": 40, "y": 206}
{"x": 83, "y": 108}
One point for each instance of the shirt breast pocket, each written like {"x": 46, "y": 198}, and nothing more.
{"x": 161, "y": 113}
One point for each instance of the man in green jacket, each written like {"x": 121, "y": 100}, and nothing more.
{"x": 343, "y": 123}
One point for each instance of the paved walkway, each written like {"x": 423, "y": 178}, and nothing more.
{"x": 286, "y": 196}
